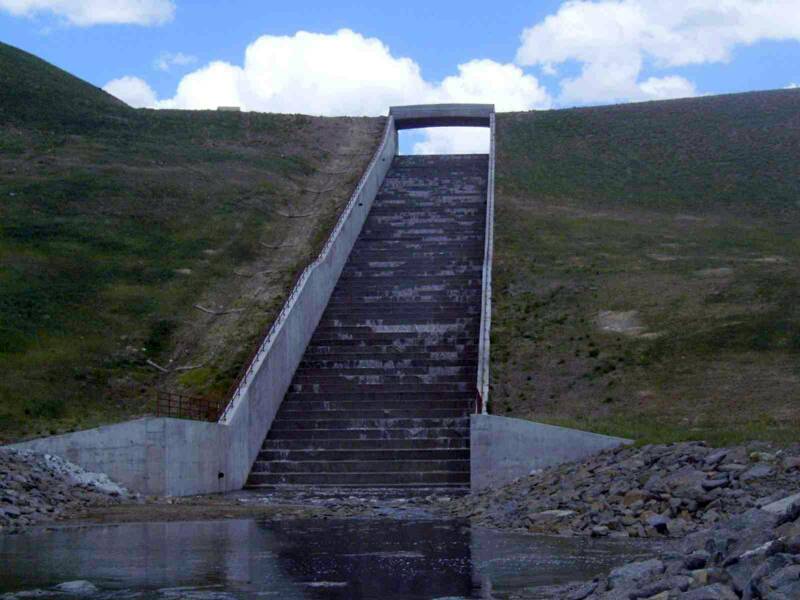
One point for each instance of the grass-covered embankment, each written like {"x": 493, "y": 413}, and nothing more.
{"x": 647, "y": 268}
{"x": 115, "y": 223}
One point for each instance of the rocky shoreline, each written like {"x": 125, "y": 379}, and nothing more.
{"x": 649, "y": 492}
{"x": 737, "y": 511}
{"x": 732, "y": 514}
{"x": 755, "y": 555}
{"x": 36, "y": 489}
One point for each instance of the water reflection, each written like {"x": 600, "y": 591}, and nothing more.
{"x": 328, "y": 560}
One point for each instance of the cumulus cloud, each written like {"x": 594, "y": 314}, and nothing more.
{"x": 96, "y": 12}
{"x": 343, "y": 73}
{"x": 613, "y": 40}
{"x": 793, "y": 86}
{"x": 321, "y": 74}
{"x": 167, "y": 60}
{"x": 481, "y": 81}
{"x": 454, "y": 140}
{"x": 133, "y": 91}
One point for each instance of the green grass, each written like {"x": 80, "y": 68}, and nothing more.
{"x": 115, "y": 222}
{"x": 685, "y": 212}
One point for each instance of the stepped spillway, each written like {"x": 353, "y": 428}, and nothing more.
{"x": 383, "y": 394}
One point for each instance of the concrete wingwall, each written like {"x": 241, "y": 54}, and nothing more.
{"x": 162, "y": 456}
{"x": 504, "y": 449}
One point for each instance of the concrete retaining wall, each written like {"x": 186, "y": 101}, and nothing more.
{"x": 179, "y": 458}
{"x": 503, "y": 449}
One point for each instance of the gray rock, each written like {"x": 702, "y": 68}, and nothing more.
{"x": 715, "y": 458}
{"x": 791, "y": 462}
{"x": 77, "y": 588}
{"x": 782, "y": 507}
{"x": 715, "y": 591}
{"x": 600, "y": 531}
{"x": 7, "y": 510}
{"x": 660, "y": 523}
{"x": 712, "y": 484}
{"x": 757, "y": 472}
{"x": 696, "y": 560}
{"x": 583, "y": 591}
{"x": 635, "y": 573}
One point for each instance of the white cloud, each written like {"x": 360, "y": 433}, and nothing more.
{"x": 612, "y": 40}
{"x": 133, "y": 91}
{"x": 454, "y": 140}
{"x": 96, "y": 12}
{"x": 313, "y": 73}
{"x": 793, "y": 86}
{"x": 167, "y": 60}
{"x": 481, "y": 81}
{"x": 344, "y": 73}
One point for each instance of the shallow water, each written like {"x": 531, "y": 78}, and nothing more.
{"x": 316, "y": 559}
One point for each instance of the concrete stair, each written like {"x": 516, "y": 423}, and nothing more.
{"x": 383, "y": 394}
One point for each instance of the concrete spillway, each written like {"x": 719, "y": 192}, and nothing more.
{"x": 383, "y": 393}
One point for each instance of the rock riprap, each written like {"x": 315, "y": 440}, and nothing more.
{"x": 754, "y": 555}
{"x": 37, "y": 488}
{"x": 656, "y": 491}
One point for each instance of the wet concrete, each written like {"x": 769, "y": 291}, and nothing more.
{"x": 315, "y": 559}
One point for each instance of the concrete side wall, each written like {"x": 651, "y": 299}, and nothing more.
{"x": 503, "y": 449}
{"x": 442, "y": 115}
{"x": 486, "y": 291}
{"x": 181, "y": 458}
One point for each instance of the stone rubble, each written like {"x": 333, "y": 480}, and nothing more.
{"x": 656, "y": 491}
{"x": 39, "y": 488}
{"x": 752, "y": 556}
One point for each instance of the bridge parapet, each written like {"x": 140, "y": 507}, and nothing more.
{"x": 442, "y": 115}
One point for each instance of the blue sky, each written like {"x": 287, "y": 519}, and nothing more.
{"x": 522, "y": 55}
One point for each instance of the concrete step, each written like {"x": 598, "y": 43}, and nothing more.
{"x": 403, "y": 490}
{"x": 328, "y": 467}
{"x": 312, "y": 374}
{"x": 380, "y": 395}
{"x": 354, "y": 423}
{"x": 358, "y": 321}
{"x": 361, "y": 479}
{"x": 310, "y": 436}
{"x": 375, "y": 362}
{"x": 372, "y": 414}
{"x": 368, "y": 445}
{"x": 330, "y": 388}
{"x": 383, "y": 394}
{"x": 388, "y": 352}
{"x": 372, "y": 455}
{"x": 359, "y": 405}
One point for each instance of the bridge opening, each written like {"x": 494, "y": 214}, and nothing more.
{"x": 445, "y": 140}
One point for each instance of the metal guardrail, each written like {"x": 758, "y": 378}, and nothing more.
{"x": 182, "y": 406}
{"x": 486, "y": 289}
{"x": 247, "y": 376}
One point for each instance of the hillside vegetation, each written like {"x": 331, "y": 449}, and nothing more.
{"x": 647, "y": 269}
{"x": 115, "y": 224}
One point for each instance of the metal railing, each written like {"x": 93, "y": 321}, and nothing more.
{"x": 246, "y": 377}
{"x": 182, "y": 406}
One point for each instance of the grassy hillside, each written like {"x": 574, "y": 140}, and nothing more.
{"x": 648, "y": 268}
{"x": 116, "y": 223}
